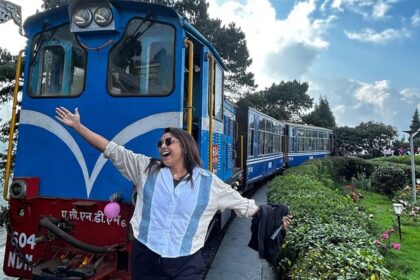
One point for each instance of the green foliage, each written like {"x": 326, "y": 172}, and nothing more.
{"x": 7, "y": 75}
{"x": 403, "y": 264}
{"x": 415, "y": 122}
{"x": 388, "y": 179}
{"x": 321, "y": 115}
{"x": 229, "y": 41}
{"x": 375, "y": 136}
{"x": 361, "y": 182}
{"x": 399, "y": 159}
{"x": 282, "y": 101}
{"x": 370, "y": 136}
{"x": 50, "y": 4}
{"x": 414, "y": 126}
{"x": 343, "y": 169}
{"x": 330, "y": 237}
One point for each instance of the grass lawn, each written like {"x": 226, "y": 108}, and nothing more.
{"x": 403, "y": 264}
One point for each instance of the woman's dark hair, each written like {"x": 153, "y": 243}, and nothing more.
{"x": 189, "y": 147}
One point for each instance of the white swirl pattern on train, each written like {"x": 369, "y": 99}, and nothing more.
{"x": 139, "y": 127}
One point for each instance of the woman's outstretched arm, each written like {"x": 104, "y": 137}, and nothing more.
{"x": 73, "y": 120}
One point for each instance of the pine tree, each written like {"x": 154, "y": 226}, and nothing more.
{"x": 321, "y": 115}
{"x": 415, "y": 122}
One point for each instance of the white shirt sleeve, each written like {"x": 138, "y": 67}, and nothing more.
{"x": 131, "y": 165}
{"x": 228, "y": 198}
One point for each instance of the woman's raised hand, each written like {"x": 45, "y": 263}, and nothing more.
{"x": 68, "y": 118}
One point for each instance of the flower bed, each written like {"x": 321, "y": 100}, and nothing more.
{"x": 330, "y": 238}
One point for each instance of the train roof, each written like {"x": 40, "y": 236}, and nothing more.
{"x": 157, "y": 8}
{"x": 301, "y": 125}
{"x": 255, "y": 111}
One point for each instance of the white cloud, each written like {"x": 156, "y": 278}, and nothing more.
{"x": 369, "y": 35}
{"x": 353, "y": 102}
{"x": 280, "y": 49}
{"x": 379, "y": 10}
{"x": 368, "y": 9}
{"x": 374, "y": 94}
{"x": 415, "y": 19}
{"x": 411, "y": 96}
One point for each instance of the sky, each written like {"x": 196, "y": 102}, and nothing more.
{"x": 362, "y": 55}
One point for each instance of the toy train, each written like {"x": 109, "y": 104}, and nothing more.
{"x": 132, "y": 69}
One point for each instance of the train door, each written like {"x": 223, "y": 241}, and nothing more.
{"x": 193, "y": 80}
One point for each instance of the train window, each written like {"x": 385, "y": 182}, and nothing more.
{"x": 251, "y": 142}
{"x": 261, "y": 143}
{"x": 261, "y": 124}
{"x": 57, "y": 65}
{"x": 142, "y": 63}
{"x": 251, "y": 121}
{"x": 251, "y": 133}
{"x": 292, "y": 139}
{"x": 218, "y": 93}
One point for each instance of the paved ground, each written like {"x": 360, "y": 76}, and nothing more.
{"x": 234, "y": 259}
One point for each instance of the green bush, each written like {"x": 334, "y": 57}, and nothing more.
{"x": 400, "y": 159}
{"x": 330, "y": 236}
{"x": 343, "y": 169}
{"x": 387, "y": 179}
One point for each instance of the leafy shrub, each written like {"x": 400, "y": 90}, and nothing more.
{"x": 330, "y": 237}
{"x": 388, "y": 179}
{"x": 362, "y": 182}
{"x": 346, "y": 168}
{"x": 400, "y": 159}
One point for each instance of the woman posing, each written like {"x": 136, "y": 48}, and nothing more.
{"x": 176, "y": 201}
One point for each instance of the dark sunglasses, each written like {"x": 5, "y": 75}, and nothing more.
{"x": 168, "y": 141}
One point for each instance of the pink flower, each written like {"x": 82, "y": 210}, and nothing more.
{"x": 396, "y": 246}
{"x": 385, "y": 235}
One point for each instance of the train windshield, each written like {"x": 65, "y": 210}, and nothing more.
{"x": 57, "y": 65}
{"x": 142, "y": 63}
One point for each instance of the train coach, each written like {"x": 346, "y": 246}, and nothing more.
{"x": 132, "y": 69}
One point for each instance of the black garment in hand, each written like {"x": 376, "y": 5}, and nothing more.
{"x": 264, "y": 224}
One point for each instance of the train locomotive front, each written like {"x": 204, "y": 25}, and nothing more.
{"x": 131, "y": 69}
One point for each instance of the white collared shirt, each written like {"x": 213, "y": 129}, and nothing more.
{"x": 172, "y": 221}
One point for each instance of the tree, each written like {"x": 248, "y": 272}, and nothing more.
{"x": 321, "y": 115}
{"x": 370, "y": 136}
{"x": 415, "y": 122}
{"x": 283, "y": 101}
{"x": 375, "y": 136}
{"x": 228, "y": 40}
{"x": 347, "y": 136}
{"x": 51, "y": 4}
{"x": 415, "y": 125}
{"x": 7, "y": 84}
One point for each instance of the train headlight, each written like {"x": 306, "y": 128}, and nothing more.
{"x": 18, "y": 189}
{"x": 103, "y": 16}
{"x": 82, "y": 17}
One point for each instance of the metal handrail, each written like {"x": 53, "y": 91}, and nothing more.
{"x": 12, "y": 127}
{"x": 190, "y": 46}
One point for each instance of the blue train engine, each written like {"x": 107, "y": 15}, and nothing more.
{"x": 131, "y": 69}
